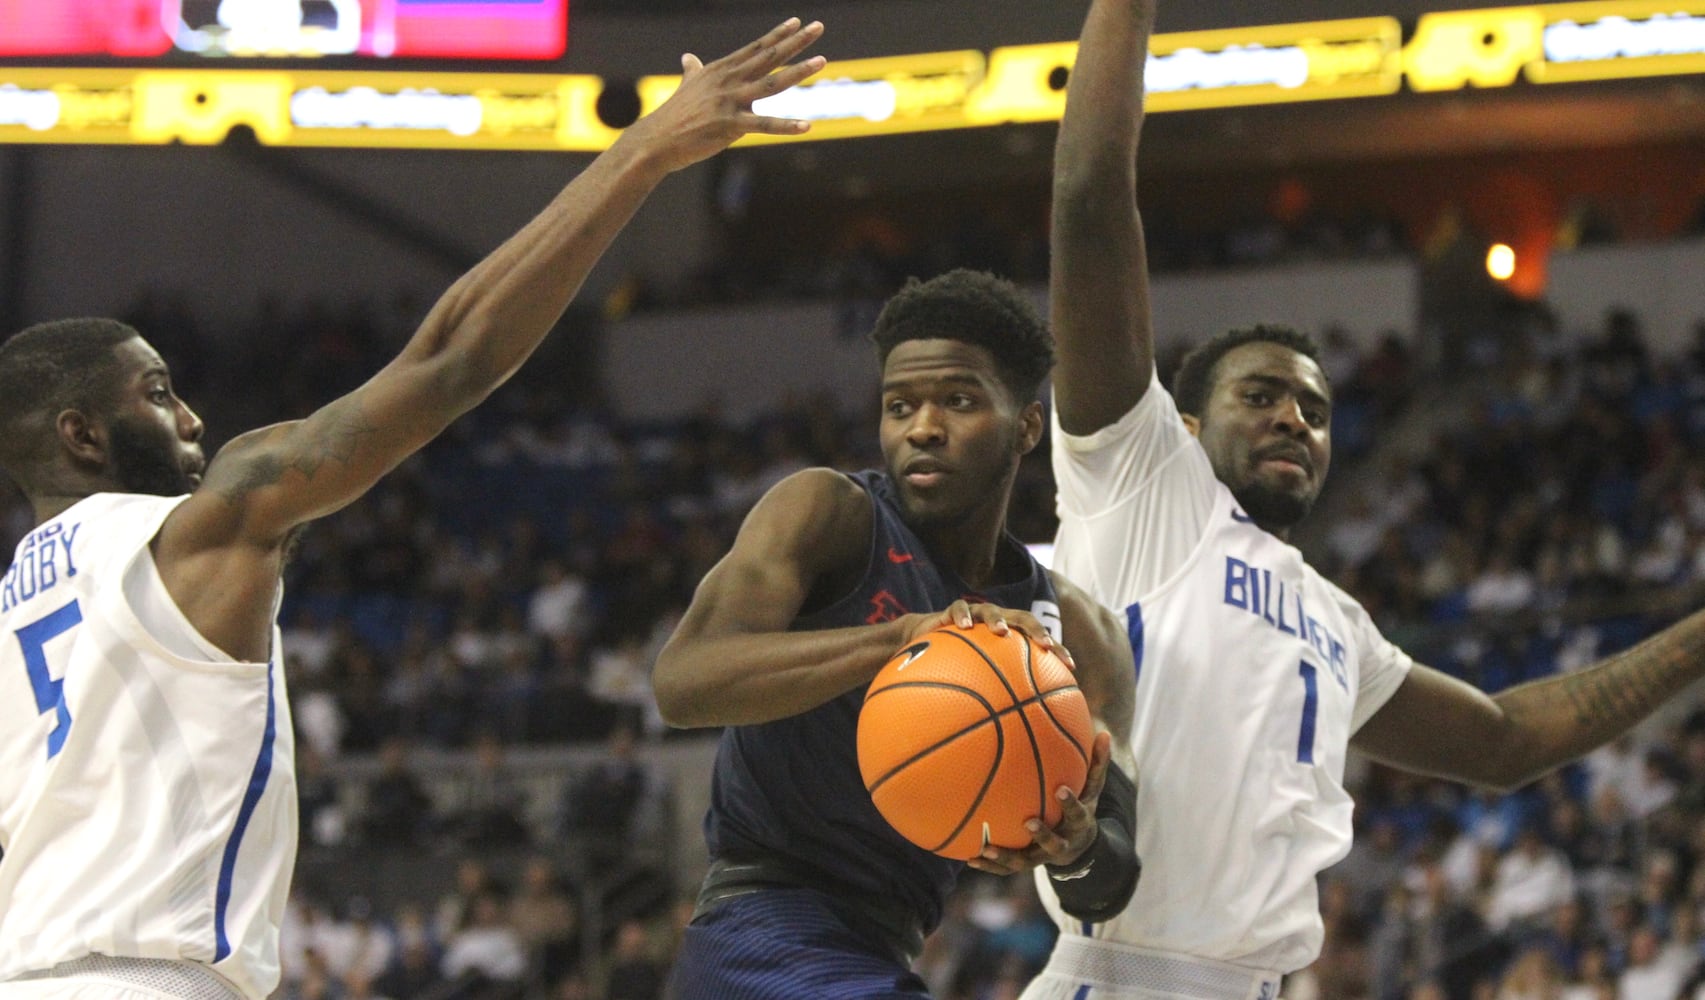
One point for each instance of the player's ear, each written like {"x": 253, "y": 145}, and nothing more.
{"x": 1191, "y": 424}
{"x": 84, "y": 437}
{"x": 1030, "y": 424}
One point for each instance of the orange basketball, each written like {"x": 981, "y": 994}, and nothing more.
{"x": 965, "y": 735}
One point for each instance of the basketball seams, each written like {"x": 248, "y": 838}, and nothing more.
{"x": 993, "y": 715}
{"x": 1023, "y": 717}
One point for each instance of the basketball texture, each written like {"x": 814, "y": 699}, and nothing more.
{"x": 966, "y": 734}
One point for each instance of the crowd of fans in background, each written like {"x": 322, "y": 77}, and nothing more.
{"x": 509, "y": 589}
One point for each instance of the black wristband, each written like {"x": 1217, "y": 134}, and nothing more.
{"x": 1098, "y": 884}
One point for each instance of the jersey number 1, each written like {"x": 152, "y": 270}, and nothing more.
{"x": 1310, "y": 704}
{"x": 50, "y": 695}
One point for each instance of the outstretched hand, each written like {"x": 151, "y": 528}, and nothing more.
{"x": 713, "y": 106}
{"x": 1068, "y": 839}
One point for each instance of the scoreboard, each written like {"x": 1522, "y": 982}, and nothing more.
{"x": 205, "y": 29}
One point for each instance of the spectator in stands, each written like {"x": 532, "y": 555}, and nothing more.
{"x": 398, "y": 810}
{"x": 1532, "y": 976}
{"x": 455, "y": 910}
{"x": 546, "y": 920}
{"x": 604, "y": 803}
{"x": 413, "y": 971}
{"x": 1654, "y": 972}
{"x": 1531, "y": 881}
{"x": 492, "y": 808}
{"x": 486, "y": 951}
{"x": 635, "y": 973}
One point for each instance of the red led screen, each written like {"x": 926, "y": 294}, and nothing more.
{"x": 445, "y": 29}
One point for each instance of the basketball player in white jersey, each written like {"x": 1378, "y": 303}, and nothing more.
{"x": 1255, "y": 674}
{"x": 147, "y": 797}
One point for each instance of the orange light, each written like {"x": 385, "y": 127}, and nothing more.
{"x": 1501, "y": 261}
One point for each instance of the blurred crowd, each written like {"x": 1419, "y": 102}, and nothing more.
{"x": 508, "y": 589}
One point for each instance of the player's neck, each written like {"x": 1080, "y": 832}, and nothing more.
{"x": 972, "y": 548}
{"x": 48, "y": 506}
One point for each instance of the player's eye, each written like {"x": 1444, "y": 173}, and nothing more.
{"x": 897, "y": 408}
{"x": 960, "y": 401}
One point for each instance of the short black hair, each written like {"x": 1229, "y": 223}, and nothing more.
{"x": 973, "y": 307}
{"x": 66, "y": 364}
{"x": 1194, "y": 381}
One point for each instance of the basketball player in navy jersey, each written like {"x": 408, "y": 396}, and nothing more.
{"x": 147, "y": 800}
{"x": 1256, "y": 673}
{"x": 810, "y": 892}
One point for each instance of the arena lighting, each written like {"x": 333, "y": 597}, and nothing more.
{"x": 1360, "y": 57}
{"x": 1501, "y": 261}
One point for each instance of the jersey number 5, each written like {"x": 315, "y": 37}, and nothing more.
{"x": 50, "y": 694}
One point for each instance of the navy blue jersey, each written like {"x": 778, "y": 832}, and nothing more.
{"x": 791, "y": 789}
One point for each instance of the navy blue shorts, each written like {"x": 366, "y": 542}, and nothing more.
{"x": 784, "y": 944}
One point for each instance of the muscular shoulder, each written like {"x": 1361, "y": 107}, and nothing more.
{"x": 819, "y": 509}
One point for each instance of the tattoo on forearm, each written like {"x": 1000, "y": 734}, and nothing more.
{"x": 1631, "y": 685}
{"x": 333, "y": 434}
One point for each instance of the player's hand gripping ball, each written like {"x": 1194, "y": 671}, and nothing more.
{"x": 965, "y": 735}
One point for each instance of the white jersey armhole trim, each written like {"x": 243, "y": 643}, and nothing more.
{"x": 145, "y": 625}
{"x": 1102, "y": 437}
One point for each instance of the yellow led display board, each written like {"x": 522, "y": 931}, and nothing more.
{"x": 1620, "y": 40}
{"x": 1322, "y": 60}
{"x": 199, "y": 107}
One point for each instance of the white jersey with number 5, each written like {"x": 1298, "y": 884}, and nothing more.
{"x": 1253, "y": 672}
{"x": 147, "y": 788}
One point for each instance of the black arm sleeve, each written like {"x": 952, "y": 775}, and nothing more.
{"x": 1097, "y": 885}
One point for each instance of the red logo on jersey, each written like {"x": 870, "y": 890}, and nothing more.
{"x": 884, "y": 607}
{"x": 897, "y": 557}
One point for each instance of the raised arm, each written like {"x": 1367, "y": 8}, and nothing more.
{"x": 1098, "y": 288}
{"x": 1437, "y": 725}
{"x": 219, "y": 552}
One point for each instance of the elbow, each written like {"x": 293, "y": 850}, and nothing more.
{"x": 678, "y": 704}
{"x": 1090, "y": 200}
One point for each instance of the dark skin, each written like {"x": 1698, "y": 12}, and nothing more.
{"x": 220, "y": 552}
{"x": 952, "y": 435}
{"x": 1267, "y": 425}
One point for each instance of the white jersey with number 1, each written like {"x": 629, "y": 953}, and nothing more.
{"x": 1253, "y": 672}
{"x": 147, "y": 788}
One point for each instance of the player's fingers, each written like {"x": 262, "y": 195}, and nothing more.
{"x": 762, "y": 49}
{"x": 958, "y": 614}
{"x": 1100, "y": 756}
{"x": 690, "y": 64}
{"x": 783, "y": 51}
{"x": 749, "y": 123}
{"x": 785, "y": 79}
{"x": 995, "y": 618}
{"x": 999, "y": 861}
{"x": 1032, "y": 626}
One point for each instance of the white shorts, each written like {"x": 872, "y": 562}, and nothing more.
{"x": 99, "y": 977}
{"x": 1086, "y": 969}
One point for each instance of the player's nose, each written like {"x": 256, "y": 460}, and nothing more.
{"x": 926, "y": 426}
{"x": 190, "y": 426}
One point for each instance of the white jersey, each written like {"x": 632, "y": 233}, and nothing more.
{"x": 147, "y": 780}
{"x": 1253, "y": 672}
